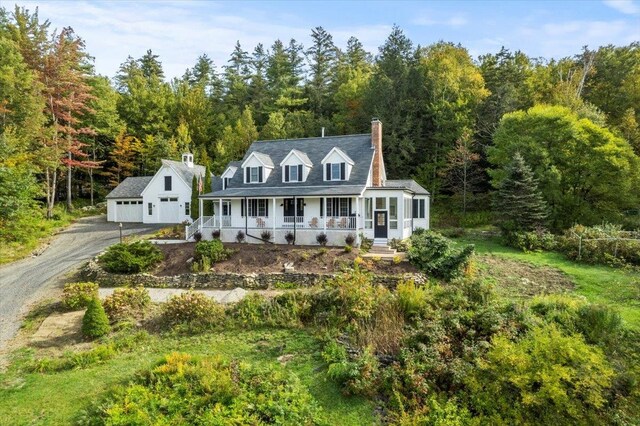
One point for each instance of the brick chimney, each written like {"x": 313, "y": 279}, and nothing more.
{"x": 376, "y": 144}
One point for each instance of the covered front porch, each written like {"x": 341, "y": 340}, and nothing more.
{"x": 305, "y": 217}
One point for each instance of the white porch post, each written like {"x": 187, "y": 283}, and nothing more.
{"x": 326, "y": 215}
{"x": 274, "y": 215}
{"x": 357, "y": 213}
{"x": 201, "y": 211}
{"x": 219, "y": 215}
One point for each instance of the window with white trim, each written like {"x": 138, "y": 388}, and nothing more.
{"x": 418, "y": 209}
{"x": 257, "y": 207}
{"x": 368, "y": 213}
{"x": 254, "y": 176}
{"x": 187, "y": 208}
{"x": 150, "y": 208}
{"x": 335, "y": 171}
{"x": 393, "y": 213}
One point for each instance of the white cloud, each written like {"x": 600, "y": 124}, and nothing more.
{"x": 428, "y": 19}
{"x": 179, "y": 32}
{"x": 628, "y": 7}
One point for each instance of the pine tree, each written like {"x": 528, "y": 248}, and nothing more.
{"x": 195, "y": 206}
{"x": 95, "y": 322}
{"x": 207, "y": 206}
{"x": 518, "y": 203}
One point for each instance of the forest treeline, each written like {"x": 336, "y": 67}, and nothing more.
{"x": 452, "y": 122}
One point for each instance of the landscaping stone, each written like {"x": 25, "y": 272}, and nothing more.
{"x": 224, "y": 281}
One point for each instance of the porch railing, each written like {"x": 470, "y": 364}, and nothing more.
{"x": 333, "y": 223}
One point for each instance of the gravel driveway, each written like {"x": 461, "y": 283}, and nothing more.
{"x": 26, "y": 281}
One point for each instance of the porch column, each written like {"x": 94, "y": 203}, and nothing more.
{"x": 201, "y": 211}
{"x": 357, "y": 213}
{"x": 220, "y": 214}
{"x": 274, "y": 215}
{"x": 326, "y": 215}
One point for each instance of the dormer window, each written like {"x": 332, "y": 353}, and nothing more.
{"x": 337, "y": 165}
{"x": 225, "y": 183}
{"x": 293, "y": 173}
{"x": 335, "y": 171}
{"x": 254, "y": 175}
{"x": 257, "y": 168}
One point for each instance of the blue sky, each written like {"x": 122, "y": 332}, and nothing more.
{"x": 179, "y": 31}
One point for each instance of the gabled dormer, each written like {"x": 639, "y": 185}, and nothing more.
{"x": 295, "y": 166}
{"x": 257, "y": 168}
{"x": 227, "y": 175}
{"x": 337, "y": 165}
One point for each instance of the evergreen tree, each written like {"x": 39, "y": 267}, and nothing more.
{"x": 275, "y": 127}
{"x": 195, "y": 191}
{"x": 207, "y": 206}
{"x": 518, "y": 203}
{"x": 95, "y": 322}
{"x": 322, "y": 61}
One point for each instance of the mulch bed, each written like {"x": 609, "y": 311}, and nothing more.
{"x": 264, "y": 258}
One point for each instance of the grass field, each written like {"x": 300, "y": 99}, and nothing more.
{"x": 599, "y": 284}
{"x": 57, "y": 398}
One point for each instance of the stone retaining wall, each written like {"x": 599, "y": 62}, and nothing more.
{"x": 214, "y": 280}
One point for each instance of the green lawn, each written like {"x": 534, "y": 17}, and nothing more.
{"x": 56, "y": 398}
{"x": 599, "y": 284}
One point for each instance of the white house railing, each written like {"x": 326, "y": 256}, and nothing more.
{"x": 316, "y": 223}
{"x": 193, "y": 228}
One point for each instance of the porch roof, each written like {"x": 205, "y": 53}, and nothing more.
{"x": 300, "y": 191}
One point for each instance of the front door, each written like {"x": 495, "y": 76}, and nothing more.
{"x": 380, "y": 224}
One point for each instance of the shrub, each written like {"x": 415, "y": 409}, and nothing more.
{"x": 399, "y": 245}
{"x": 265, "y": 235}
{"x": 126, "y": 302}
{"x": 71, "y": 360}
{"x": 601, "y": 244}
{"x": 240, "y": 237}
{"x": 322, "y": 239}
{"x": 350, "y": 298}
{"x": 131, "y": 258}
{"x": 215, "y": 234}
{"x": 347, "y": 249}
{"x": 95, "y": 322}
{"x": 413, "y": 300}
{"x": 545, "y": 377}
{"x": 187, "y": 390}
{"x": 193, "y": 309}
{"x": 78, "y": 295}
{"x": 289, "y": 237}
{"x": 212, "y": 250}
{"x": 357, "y": 377}
{"x": 531, "y": 241}
{"x": 350, "y": 239}
{"x": 197, "y": 236}
{"x": 250, "y": 310}
{"x": 365, "y": 243}
{"x": 436, "y": 255}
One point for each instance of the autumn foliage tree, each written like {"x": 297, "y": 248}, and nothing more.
{"x": 124, "y": 152}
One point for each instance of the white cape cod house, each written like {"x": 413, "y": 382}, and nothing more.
{"x": 162, "y": 198}
{"x": 336, "y": 185}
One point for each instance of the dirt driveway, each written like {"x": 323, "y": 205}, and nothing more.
{"x": 28, "y": 280}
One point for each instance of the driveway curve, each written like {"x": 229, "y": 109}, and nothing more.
{"x": 26, "y": 281}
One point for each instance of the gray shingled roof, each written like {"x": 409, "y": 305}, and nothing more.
{"x": 185, "y": 172}
{"x": 355, "y": 146}
{"x": 131, "y": 187}
{"x": 409, "y": 184}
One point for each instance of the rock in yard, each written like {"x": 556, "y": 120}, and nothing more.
{"x": 288, "y": 267}
{"x": 235, "y": 295}
{"x": 189, "y": 260}
{"x": 283, "y": 359}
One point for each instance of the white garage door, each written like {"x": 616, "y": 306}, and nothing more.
{"x": 169, "y": 210}
{"x": 128, "y": 211}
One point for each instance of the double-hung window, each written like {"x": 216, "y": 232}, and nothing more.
{"x": 418, "y": 209}
{"x": 254, "y": 175}
{"x": 293, "y": 173}
{"x": 335, "y": 171}
{"x": 167, "y": 183}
